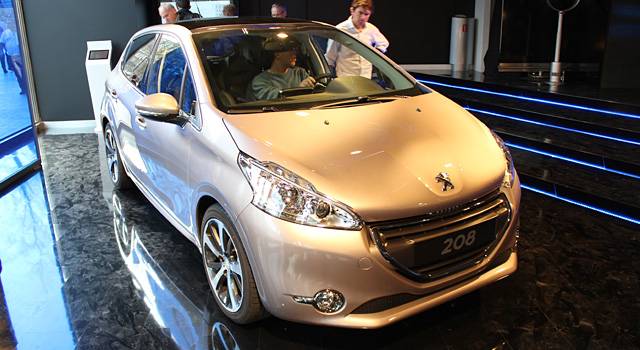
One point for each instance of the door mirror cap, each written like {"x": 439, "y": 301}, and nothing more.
{"x": 161, "y": 107}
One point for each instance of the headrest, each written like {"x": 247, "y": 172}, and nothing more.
{"x": 281, "y": 44}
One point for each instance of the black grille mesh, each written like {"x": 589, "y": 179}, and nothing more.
{"x": 490, "y": 207}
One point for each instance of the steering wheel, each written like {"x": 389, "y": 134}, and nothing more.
{"x": 328, "y": 76}
{"x": 319, "y": 87}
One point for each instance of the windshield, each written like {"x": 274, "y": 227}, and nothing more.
{"x": 287, "y": 67}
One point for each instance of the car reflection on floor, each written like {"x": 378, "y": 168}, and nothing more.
{"x": 168, "y": 306}
{"x": 189, "y": 323}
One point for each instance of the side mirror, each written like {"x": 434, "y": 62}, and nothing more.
{"x": 161, "y": 107}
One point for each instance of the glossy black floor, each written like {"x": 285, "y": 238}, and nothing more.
{"x": 86, "y": 267}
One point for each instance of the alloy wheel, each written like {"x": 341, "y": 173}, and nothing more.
{"x": 222, "y": 264}
{"x": 113, "y": 160}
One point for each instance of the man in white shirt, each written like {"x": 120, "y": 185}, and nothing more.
{"x": 345, "y": 60}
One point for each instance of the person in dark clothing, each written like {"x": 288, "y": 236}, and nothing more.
{"x": 3, "y": 56}
{"x": 230, "y": 10}
{"x": 168, "y": 13}
{"x": 184, "y": 12}
{"x": 278, "y": 10}
{"x": 4, "y": 60}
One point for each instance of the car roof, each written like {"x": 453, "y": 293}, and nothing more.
{"x": 210, "y": 22}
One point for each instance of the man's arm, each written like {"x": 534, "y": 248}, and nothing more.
{"x": 381, "y": 42}
{"x": 332, "y": 54}
{"x": 263, "y": 88}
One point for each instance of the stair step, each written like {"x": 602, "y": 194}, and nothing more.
{"x": 602, "y": 183}
{"x": 573, "y": 148}
{"x": 556, "y": 120}
{"x": 577, "y": 157}
{"x": 603, "y": 147}
{"x": 612, "y": 207}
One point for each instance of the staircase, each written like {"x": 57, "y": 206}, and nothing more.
{"x": 580, "y": 150}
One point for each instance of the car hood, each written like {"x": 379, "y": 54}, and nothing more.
{"x": 381, "y": 159}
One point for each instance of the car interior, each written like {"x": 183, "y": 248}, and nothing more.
{"x": 233, "y": 61}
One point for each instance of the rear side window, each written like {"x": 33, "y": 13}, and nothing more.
{"x": 137, "y": 59}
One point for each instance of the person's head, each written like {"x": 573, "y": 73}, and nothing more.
{"x": 284, "y": 49}
{"x": 183, "y": 4}
{"x": 230, "y": 10}
{"x": 278, "y": 10}
{"x": 361, "y": 10}
{"x": 285, "y": 59}
{"x": 168, "y": 13}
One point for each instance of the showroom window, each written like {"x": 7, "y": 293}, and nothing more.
{"x": 19, "y": 155}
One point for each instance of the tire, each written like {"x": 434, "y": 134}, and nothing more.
{"x": 227, "y": 269}
{"x": 118, "y": 176}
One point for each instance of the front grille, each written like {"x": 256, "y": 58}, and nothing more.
{"x": 441, "y": 243}
{"x": 385, "y": 303}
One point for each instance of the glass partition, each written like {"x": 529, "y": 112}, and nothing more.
{"x": 18, "y": 149}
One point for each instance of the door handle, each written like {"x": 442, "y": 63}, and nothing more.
{"x": 141, "y": 122}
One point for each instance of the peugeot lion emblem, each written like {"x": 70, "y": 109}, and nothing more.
{"x": 446, "y": 182}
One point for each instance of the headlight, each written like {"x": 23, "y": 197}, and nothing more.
{"x": 509, "y": 174}
{"x": 285, "y": 195}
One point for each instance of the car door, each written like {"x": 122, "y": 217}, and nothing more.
{"x": 165, "y": 147}
{"x": 123, "y": 91}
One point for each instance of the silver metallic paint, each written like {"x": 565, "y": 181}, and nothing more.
{"x": 379, "y": 159}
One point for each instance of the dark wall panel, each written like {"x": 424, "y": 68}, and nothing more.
{"x": 530, "y": 27}
{"x": 419, "y": 30}
{"x": 58, "y": 32}
{"x": 620, "y": 67}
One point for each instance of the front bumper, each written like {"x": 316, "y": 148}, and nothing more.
{"x": 291, "y": 260}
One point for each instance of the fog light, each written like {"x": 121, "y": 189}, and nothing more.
{"x": 328, "y": 301}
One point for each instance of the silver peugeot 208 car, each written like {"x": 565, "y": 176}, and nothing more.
{"x": 352, "y": 201}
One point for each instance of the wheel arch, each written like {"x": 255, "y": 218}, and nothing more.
{"x": 104, "y": 120}
{"x": 206, "y": 196}
{"x": 204, "y": 203}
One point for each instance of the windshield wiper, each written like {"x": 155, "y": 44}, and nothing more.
{"x": 252, "y": 110}
{"x": 358, "y": 100}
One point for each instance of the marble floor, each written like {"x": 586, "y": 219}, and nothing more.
{"x": 87, "y": 267}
